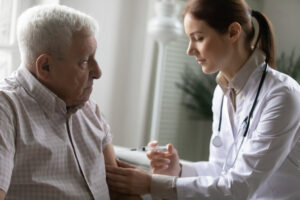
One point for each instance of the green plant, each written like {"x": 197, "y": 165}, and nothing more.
{"x": 289, "y": 65}
{"x": 199, "y": 88}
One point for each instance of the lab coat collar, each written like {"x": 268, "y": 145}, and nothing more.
{"x": 239, "y": 80}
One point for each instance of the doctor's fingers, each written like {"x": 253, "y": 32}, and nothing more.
{"x": 134, "y": 181}
{"x": 113, "y": 179}
{"x": 124, "y": 189}
{"x": 124, "y": 164}
{"x": 121, "y": 183}
{"x": 152, "y": 143}
{"x": 156, "y": 154}
{"x": 161, "y": 163}
{"x": 118, "y": 186}
{"x": 115, "y": 170}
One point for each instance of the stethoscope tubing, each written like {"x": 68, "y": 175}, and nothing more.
{"x": 256, "y": 97}
{"x": 253, "y": 105}
{"x": 217, "y": 140}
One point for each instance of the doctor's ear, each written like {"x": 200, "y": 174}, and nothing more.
{"x": 234, "y": 31}
{"x": 42, "y": 67}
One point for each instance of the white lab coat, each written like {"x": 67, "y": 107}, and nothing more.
{"x": 268, "y": 165}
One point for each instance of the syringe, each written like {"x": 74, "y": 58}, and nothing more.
{"x": 150, "y": 148}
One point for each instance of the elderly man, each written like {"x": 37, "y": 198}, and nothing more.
{"x": 54, "y": 142}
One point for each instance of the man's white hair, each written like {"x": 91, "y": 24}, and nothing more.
{"x": 49, "y": 29}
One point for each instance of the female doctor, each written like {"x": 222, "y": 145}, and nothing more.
{"x": 255, "y": 146}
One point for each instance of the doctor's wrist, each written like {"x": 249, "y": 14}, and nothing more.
{"x": 163, "y": 186}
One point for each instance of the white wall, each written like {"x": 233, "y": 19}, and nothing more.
{"x": 255, "y": 4}
{"x": 285, "y": 17}
{"x": 122, "y": 91}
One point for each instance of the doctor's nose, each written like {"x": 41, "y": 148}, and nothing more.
{"x": 190, "y": 50}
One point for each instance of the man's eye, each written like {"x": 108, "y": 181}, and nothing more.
{"x": 84, "y": 63}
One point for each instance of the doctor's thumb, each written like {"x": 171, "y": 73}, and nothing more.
{"x": 170, "y": 148}
{"x": 152, "y": 143}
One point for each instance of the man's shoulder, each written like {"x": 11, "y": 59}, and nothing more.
{"x": 8, "y": 84}
{"x": 10, "y": 93}
{"x": 8, "y": 88}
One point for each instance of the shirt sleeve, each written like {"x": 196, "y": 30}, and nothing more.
{"x": 261, "y": 155}
{"x": 105, "y": 127}
{"x": 7, "y": 149}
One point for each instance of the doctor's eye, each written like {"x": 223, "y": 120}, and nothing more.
{"x": 200, "y": 39}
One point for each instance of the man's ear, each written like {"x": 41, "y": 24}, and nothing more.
{"x": 234, "y": 31}
{"x": 42, "y": 66}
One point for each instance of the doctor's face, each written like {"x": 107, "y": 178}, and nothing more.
{"x": 207, "y": 45}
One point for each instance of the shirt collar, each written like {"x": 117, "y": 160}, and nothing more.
{"x": 47, "y": 100}
{"x": 240, "y": 79}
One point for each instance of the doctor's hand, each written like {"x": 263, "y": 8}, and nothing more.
{"x": 118, "y": 196}
{"x": 166, "y": 163}
{"x": 128, "y": 179}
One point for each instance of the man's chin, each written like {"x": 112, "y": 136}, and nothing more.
{"x": 79, "y": 102}
{"x": 83, "y": 101}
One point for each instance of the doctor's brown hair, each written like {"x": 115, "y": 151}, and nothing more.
{"x": 219, "y": 14}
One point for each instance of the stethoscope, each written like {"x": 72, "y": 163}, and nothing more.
{"x": 217, "y": 142}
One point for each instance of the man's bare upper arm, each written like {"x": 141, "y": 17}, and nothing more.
{"x": 2, "y": 195}
{"x": 109, "y": 155}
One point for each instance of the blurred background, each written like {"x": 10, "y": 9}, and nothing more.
{"x": 137, "y": 106}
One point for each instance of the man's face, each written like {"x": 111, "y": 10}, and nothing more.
{"x": 72, "y": 77}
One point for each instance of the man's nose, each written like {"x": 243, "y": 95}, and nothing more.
{"x": 96, "y": 71}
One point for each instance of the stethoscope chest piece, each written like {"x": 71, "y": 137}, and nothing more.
{"x": 216, "y": 141}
